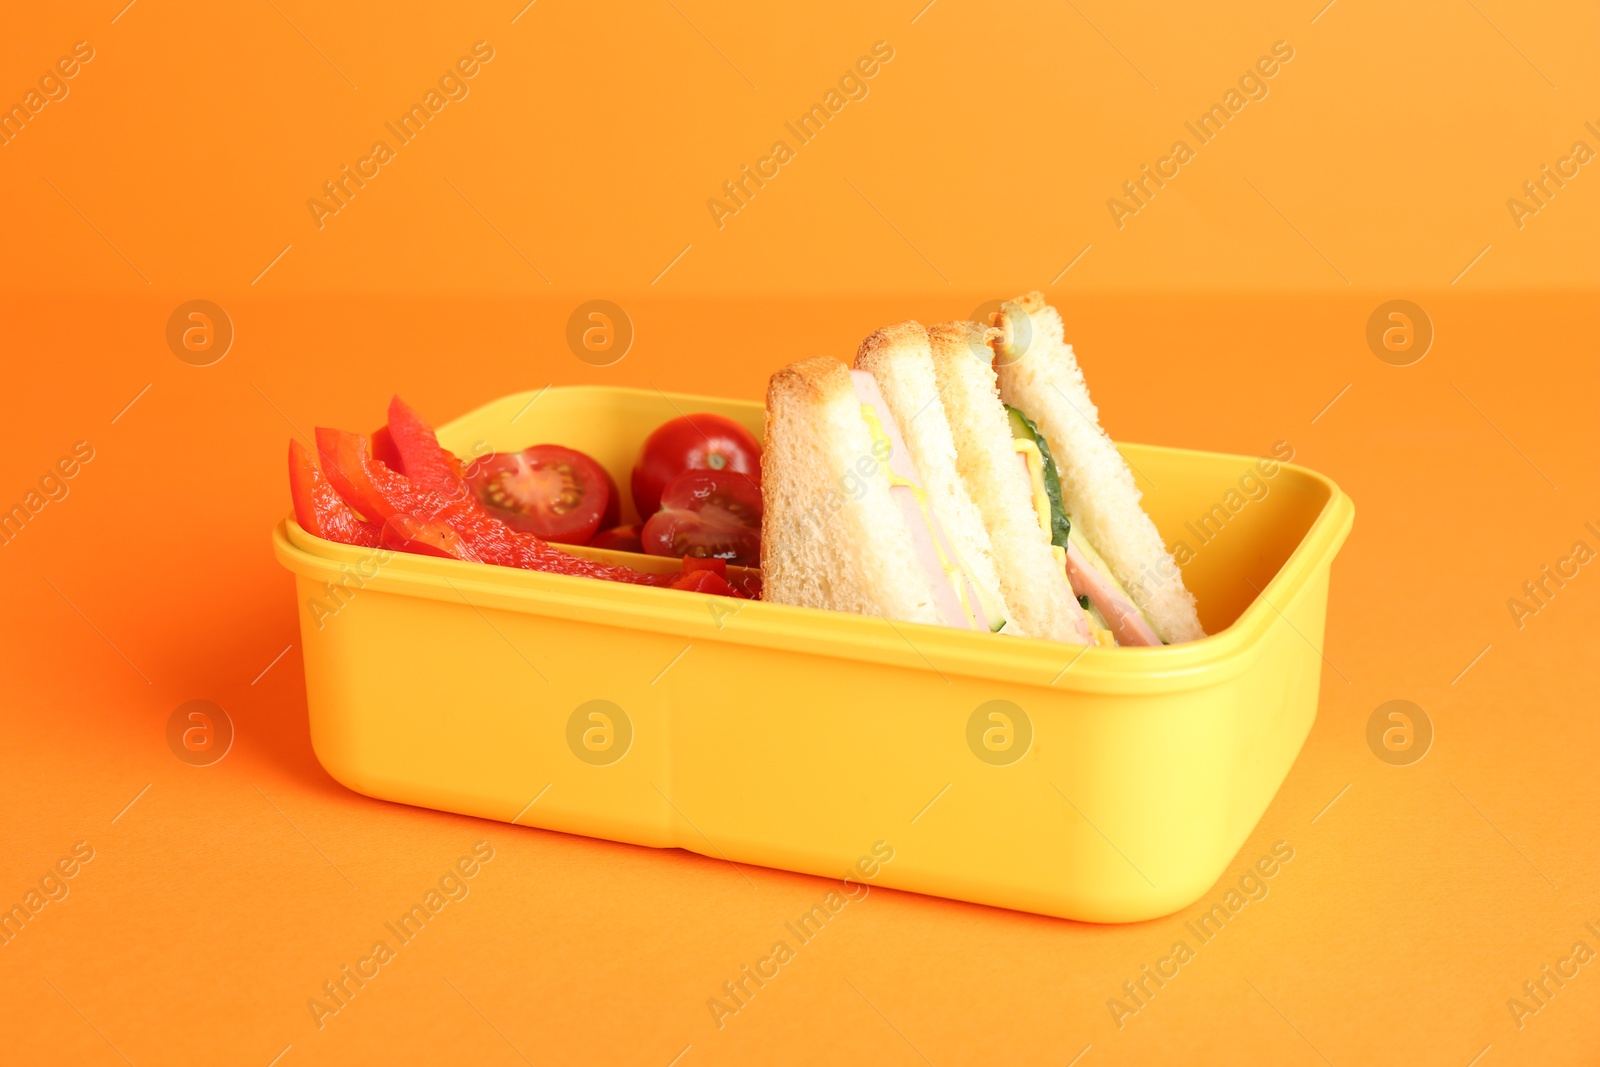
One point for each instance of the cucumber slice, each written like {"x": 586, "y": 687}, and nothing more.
{"x": 1023, "y": 427}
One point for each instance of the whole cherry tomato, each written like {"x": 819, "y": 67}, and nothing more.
{"x": 694, "y": 442}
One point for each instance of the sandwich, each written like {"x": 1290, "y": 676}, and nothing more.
{"x": 1115, "y": 555}
{"x": 849, "y": 521}
{"x": 939, "y": 481}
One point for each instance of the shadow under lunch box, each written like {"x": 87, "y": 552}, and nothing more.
{"x": 1100, "y": 784}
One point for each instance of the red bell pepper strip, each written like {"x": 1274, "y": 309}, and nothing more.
{"x": 372, "y": 488}
{"x": 703, "y": 581}
{"x": 426, "y": 538}
{"x": 708, "y": 575}
{"x": 430, "y": 466}
{"x": 380, "y": 493}
{"x": 318, "y": 507}
{"x": 384, "y": 452}
{"x": 746, "y": 583}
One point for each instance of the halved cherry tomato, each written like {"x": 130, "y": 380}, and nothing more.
{"x": 556, "y": 493}
{"x": 618, "y": 539}
{"x": 694, "y": 442}
{"x": 709, "y": 514}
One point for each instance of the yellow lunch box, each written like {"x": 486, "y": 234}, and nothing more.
{"x": 1100, "y": 784}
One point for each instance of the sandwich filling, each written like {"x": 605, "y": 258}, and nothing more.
{"x": 1113, "y": 617}
{"x": 960, "y": 600}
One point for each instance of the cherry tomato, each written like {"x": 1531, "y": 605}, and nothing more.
{"x": 710, "y": 514}
{"x": 552, "y": 492}
{"x": 618, "y": 539}
{"x": 703, "y": 442}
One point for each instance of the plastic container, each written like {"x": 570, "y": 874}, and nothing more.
{"x": 1116, "y": 785}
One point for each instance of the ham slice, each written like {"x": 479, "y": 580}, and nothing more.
{"x": 921, "y": 522}
{"x": 1124, "y": 620}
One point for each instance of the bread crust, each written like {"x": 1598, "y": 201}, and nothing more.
{"x": 811, "y": 380}
{"x": 826, "y": 499}
{"x": 883, "y": 343}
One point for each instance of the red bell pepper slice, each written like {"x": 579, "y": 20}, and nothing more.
{"x": 384, "y": 451}
{"x": 380, "y": 494}
{"x": 746, "y": 583}
{"x": 318, "y": 507}
{"x": 366, "y": 485}
{"x": 430, "y": 466}
{"x": 403, "y": 533}
{"x": 698, "y": 574}
{"x": 703, "y": 581}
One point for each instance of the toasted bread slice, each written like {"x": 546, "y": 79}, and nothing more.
{"x": 832, "y": 537}
{"x": 899, "y": 358}
{"x": 1034, "y": 584}
{"x": 1039, "y": 375}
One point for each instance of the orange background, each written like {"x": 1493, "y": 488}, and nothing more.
{"x": 1219, "y": 318}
